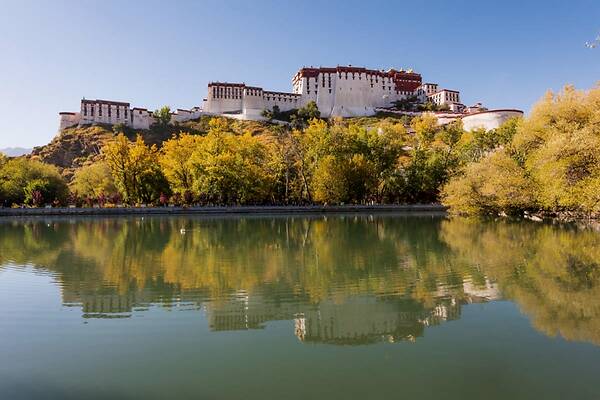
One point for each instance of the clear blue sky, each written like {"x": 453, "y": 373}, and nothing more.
{"x": 152, "y": 53}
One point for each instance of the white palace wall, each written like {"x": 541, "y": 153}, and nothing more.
{"x": 112, "y": 113}
{"x": 488, "y": 120}
{"x": 340, "y": 91}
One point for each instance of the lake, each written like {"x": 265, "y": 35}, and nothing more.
{"x": 298, "y": 307}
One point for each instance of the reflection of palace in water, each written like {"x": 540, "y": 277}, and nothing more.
{"x": 355, "y": 319}
{"x": 394, "y": 277}
{"x": 358, "y": 319}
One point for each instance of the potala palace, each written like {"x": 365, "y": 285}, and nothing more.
{"x": 342, "y": 91}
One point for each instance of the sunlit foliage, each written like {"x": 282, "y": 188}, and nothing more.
{"x": 93, "y": 180}
{"x": 555, "y": 163}
{"x": 135, "y": 169}
{"x": 31, "y": 182}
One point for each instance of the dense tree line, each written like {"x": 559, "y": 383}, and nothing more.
{"x": 328, "y": 162}
{"x": 546, "y": 162}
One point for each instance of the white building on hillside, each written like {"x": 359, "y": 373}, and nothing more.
{"x": 444, "y": 96}
{"x": 338, "y": 91}
{"x": 425, "y": 90}
{"x": 116, "y": 112}
{"x": 344, "y": 91}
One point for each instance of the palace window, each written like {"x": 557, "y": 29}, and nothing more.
{"x": 329, "y": 90}
{"x": 100, "y": 110}
{"x": 118, "y": 116}
{"x": 92, "y": 110}
{"x": 109, "y": 111}
{"x": 126, "y": 112}
{"x": 85, "y": 109}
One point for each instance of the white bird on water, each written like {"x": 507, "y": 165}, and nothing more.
{"x": 182, "y": 231}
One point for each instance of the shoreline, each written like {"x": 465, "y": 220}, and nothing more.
{"x": 235, "y": 210}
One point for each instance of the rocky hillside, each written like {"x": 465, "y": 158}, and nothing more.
{"x": 78, "y": 146}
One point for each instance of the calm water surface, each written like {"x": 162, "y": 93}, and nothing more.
{"x": 344, "y": 307}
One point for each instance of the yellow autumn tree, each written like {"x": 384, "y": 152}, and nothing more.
{"x": 135, "y": 169}
{"x": 175, "y": 160}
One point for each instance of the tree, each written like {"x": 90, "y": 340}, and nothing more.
{"x": 20, "y": 177}
{"x": 162, "y": 116}
{"x": 229, "y": 169}
{"x": 271, "y": 114}
{"x": 558, "y": 146}
{"x": 343, "y": 180}
{"x": 425, "y": 127}
{"x": 119, "y": 128}
{"x": 300, "y": 119}
{"x": 36, "y": 192}
{"x": 309, "y": 111}
{"x": 492, "y": 185}
{"x": 135, "y": 169}
{"x": 407, "y": 104}
{"x": 175, "y": 160}
{"x": 286, "y": 165}
{"x": 268, "y": 114}
{"x": 94, "y": 180}
{"x": 429, "y": 158}
{"x": 479, "y": 142}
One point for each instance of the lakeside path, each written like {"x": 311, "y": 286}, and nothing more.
{"x": 28, "y": 212}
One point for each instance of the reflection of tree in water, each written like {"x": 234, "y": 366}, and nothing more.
{"x": 341, "y": 279}
{"x": 551, "y": 272}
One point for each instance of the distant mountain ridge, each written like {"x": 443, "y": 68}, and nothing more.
{"x": 15, "y": 151}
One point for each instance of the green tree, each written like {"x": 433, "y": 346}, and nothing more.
{"x": 229, "y": 169}
{"x": 301, "y": 118}
{"x": 271, "y": 114}
{"x": 93, "y": 181}
{"x": 495, "y": 184}
{"x": 20, "y": 177}
{"x": 162, "y": 116}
